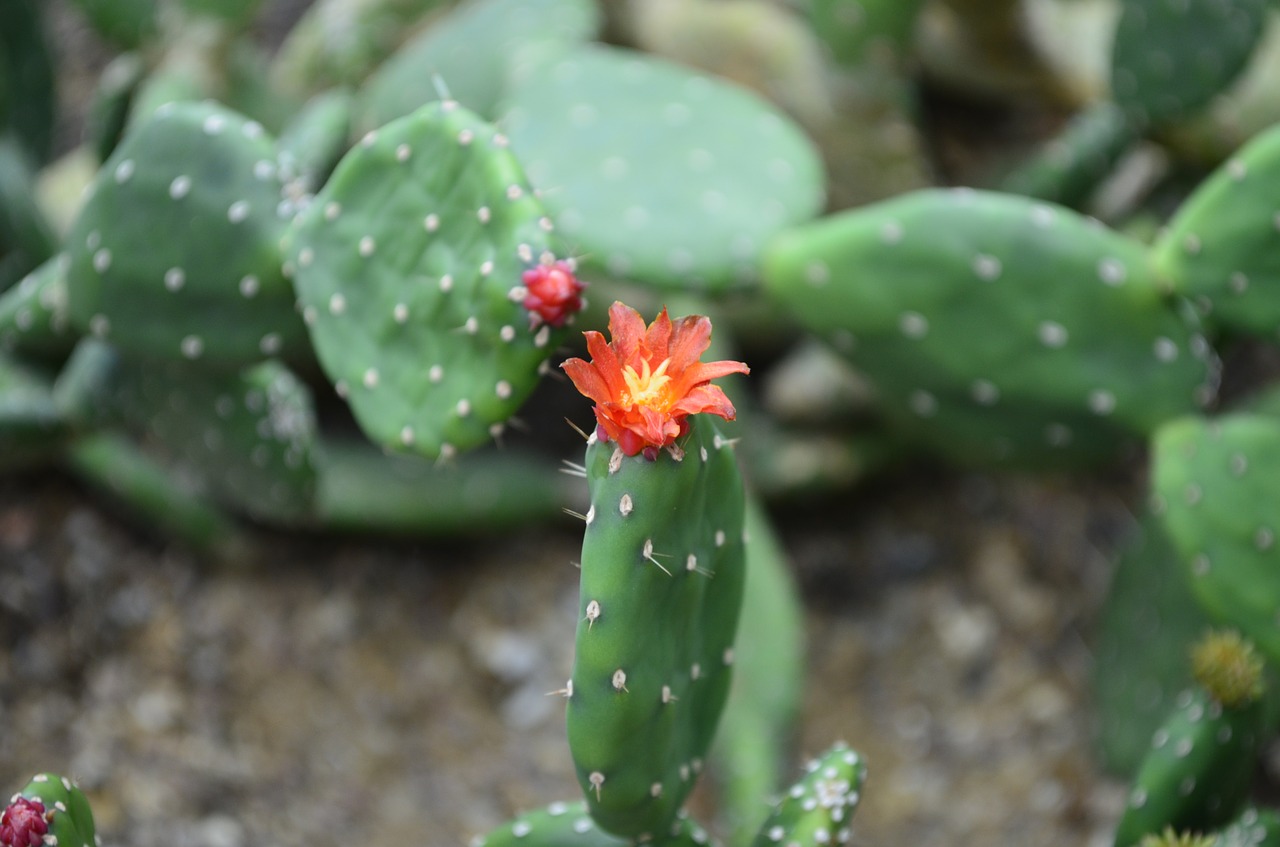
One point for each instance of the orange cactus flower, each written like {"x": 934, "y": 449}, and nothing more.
{"x": 646, "y": 381}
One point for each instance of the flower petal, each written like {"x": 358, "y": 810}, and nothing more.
{"x": 657, "y": 339}
{"x": 626, "y": 328}
{"x": 710, "y": 399}
{"x": 587, "y": 379}
{"x": 690, "y": 338}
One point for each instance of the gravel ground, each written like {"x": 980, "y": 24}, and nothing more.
{"x": 336, "y": 688}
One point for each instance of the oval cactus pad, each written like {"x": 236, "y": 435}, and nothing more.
{"x": 410, "y": 268}
{"x": 176, "y": 253}
{"x": 1215, "y": 485}
{"x": 657, "y": 173}
{"x": 997, "y": 328}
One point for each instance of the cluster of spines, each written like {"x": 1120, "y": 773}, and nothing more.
{"x": 818, "y": 808}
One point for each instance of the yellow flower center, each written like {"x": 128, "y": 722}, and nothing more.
{"x": 646, "y": 388}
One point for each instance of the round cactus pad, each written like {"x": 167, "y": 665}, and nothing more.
{"x": 409, "y": 264}
{"x": 657, "y": 173}
{"x": 997, "y": 328}
{"x": 1169, "y": 59}
{"x": 176, "y": 254}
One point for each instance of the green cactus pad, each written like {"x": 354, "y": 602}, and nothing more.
{"x": 656, "y": 173}
{"x": 246, "y": 439}
{"x": 315, "y": 140}
{"x": 72, "y": 821}
{"x": 1222, "y": 248}
{"x": 408, "y": 267}
{"x": 176, "y": 255}
{"x": 1072, "y": 166}
{"x": 1145, "y": 629}
{"x": 1198, "y": 770}
{"x": 570, "y": 825}
{"x": 1169, "y": 60}
{"x": 472, "y": 52}
{"x": 27, "y": 100}
{"x": 26, "y": 236}
{"x": 818, "y": 808}
{"x": 33, "y": 314}
{"x": 996, "y": 329}
{"x": 1215, "y": 484}
{"x": 661, "y": 587}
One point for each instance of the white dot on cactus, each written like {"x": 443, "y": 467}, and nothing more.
{"x": 180, "y": 187}
{"x": 264, "y": 169}
{"x": 1052, "y": 334}
{"x": 400, "y": 313}
{"x": 1193, "y": 493}
{"x": 503, "y": 390}
{"x": 984, "y": 392}
{"x": 1183, "y": 748}
{"x": 448, "y": 451}
{"x": 99, "y": 325}
{"x": 923, "y": 403}
{"x": 776, "y": 833}
{"x": 102, "y": 260}
{"x": 1187, "y": 786}
{"x": 1237, "y": 169}
{"x": 462, "y": 407}
{"x": 174, "y": 278}
{"x": 1199, "y": 346}
{"x": 1238, "y": 283}
{"x": 403, "y": 152}
{"x": 1238, "y": 464}
{"x": 341, "y": 388}
{"x": 369, "y": 138}
{"x": 446, "y": 283}
{"x": 367, "y": 246}
{"x": 507, "y": 333}
{"x": 521, "y": 828}
{"x": 332, "y": 210}
{"x": 93, "y": 240}
{"x": 1165, "y": 349}
{"x": 1264, "y": 538}
{"x": 1191, "y": 243}
{"x": 1200, "y": 564}
{"x": 1057, "y": 435}
{"x": 483, "y": 214}
{"x": 614, "y": 167}
{"x": 546, "y": 223}
{"x": 987, "y": 267}
{"x": 1043, "y": 216}
{"x": 514, "y": 192}
{"x": 249, "y": 285}
{"x": 676, "y": 114}
{"x": 214, "y": 124}
{"x": 270, "y": 343}
{"x": 370, "y": 378}
{"x": 238, "y": 211}
{"x": 124, "y": 170}
{"x": 486, "y": 267}
{"x": 191, "y": 347}
{"x": 305, "y": 257}
{"x": 465, "y": 137}
{"x": 500, "y": 140}
{"x": 1112, "y": 271}
{"x": 1102, "y": 402}
{"x": 435, "y": 373}
{"x": 310, "y": 315}
{"x": 431, "y": 222}
{"x": 471, "y": 326}
{"x": 913, "y": 325}
{"x": 1224, "y": 734}
{"x": 337, "y": 304}
{"x": 891, "y": 232}
{"x": 720, "y": 537}
{"x": 817, "y": 273}
{"x": 542, "y": 337}
{"x": 251, "y": 130}
{"x": 583, "y": 825}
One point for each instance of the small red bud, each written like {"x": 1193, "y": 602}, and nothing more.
{"x": 554, "y": 293}
{"x": 23, "y": 823}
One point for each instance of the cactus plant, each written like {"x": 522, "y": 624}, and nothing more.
{"x": 662, "y": 571}
{"x": 997, "y": 329}
{"x": 49, "y": 810}
{"x": 410, "y": 271}
{"x": 569, "y": 825}
{"x": 817, "y": 809}
{"x": 1199, "y": 768}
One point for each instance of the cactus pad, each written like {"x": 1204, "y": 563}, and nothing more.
{"x": 1222, "y": 248}
{"x": 656, "y": 173}
{"x": 997, "y": 328}
{"x": 33, "y": 313}
{"x": 409, "y": 267}
{"x": 818, "y": 808}
{"x": 1215, "y": 482}
{"x": 1169, "y": 59}
{"x": 175, "y": 255}
{"x": 661, "y": 587}
{"x": 53, "y": 810}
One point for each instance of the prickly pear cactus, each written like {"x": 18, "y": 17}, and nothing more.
{"x": 1146, "y": 627}
{"x": 472, "y": 51}
{"x": 33, "y": 313}
{"x": 49, "y": 810}
{"x": 1200, "y": 766}
{"x": 661, "y": 587}
{"x": 1072, "y": 165}
{"x": 1170, "y": 59}
{"x": 818, "y": 808}
{"x": 1222, "y": 248}
{"x": 570, "y": 825}
{"x": 176, "y": 254}
{"x": 1213, "y": 485}
{"x": 1254, "y": 828}
{"x": 997, "y": 329}
{"x": 646, "y": 170}
{"x": 412, "y": 267}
